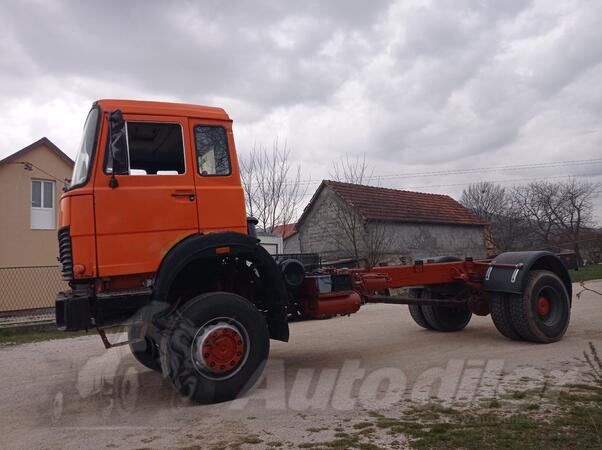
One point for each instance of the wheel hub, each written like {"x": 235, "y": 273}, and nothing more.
{"x": 543, "y": 306}
{"x": 221, "y": 348}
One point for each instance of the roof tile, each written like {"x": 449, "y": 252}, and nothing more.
{"x": 392, "y": 205}
{"x": 286, "y": 230}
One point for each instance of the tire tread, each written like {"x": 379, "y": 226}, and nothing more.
{"x": 500, "y": 314}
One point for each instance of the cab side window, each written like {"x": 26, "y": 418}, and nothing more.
{"x": 212, "y": 153}
{"x": 154, "y": 149}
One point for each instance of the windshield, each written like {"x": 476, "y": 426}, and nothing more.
{"x": 83, "y": 160}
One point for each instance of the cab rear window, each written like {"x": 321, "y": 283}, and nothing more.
{"x": 212, "y": 154}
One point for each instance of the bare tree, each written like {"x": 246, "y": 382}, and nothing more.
{"x": 494, "y": 204}
{"x": 272, "y": 185}
{"x": 485, "y": 199}
{"x": 347, "y": 231}
{"x": 364, "y": 240}
{"x": 351, "y": 170}
{"x": 537, "y": 203}
{"x": 574, "y": 210}
{"x": 591, "y": 245}
{"x": 378, "y": 241}
{"x": 557, "y": 213}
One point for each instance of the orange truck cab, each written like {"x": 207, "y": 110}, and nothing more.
{"x": 179, "y": 178}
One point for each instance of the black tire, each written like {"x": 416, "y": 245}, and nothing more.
{"x": 446, "y": 318}
{"x": 143, "y": 344}
{"x": 416, "y": 309}
{"x": 499, "y": 305}
{"x": 183, "y": 348}
{"x": 527, "y": 319}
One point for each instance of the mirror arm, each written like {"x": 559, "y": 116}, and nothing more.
{"x": 113, "y": 183}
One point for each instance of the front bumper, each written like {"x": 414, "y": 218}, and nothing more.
{"x": 73, "y": 311}
{"x": 81, "y": 310}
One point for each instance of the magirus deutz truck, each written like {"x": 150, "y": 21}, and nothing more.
{"x": 154, "y": 235}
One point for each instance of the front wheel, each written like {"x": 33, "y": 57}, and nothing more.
{"x": 143, "y": 343}
{"x": 215, "y": 348}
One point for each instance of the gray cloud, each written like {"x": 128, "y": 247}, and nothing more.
{"x": 415, "y": 85}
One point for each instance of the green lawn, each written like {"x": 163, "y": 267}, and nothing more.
{"x": 20, "y": 335}
{"x": 593, "y": 272}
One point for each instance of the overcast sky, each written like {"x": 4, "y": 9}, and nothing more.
{"x": 416, "y": 86}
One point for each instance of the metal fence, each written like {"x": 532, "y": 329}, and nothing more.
{"x": 27, "y": 294}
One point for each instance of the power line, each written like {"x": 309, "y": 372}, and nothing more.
{"x": 547, "y": 165}
{"x": 489, "y": 181}
{"x": 504, "y": 181}
{"x": 27, "y": 165}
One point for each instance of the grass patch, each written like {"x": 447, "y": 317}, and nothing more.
{"x": 343, "y": 441}
{"x": 39, "y": 333}
{"x": 577, "y": 425}
{"x": 575, "y": 420}
{"x": 252, "y": 440}
{"x": 19, "y": 335}
{"x": 571, "y": 419}
{"x": 495, "y": 403}
{"x": 591, "y": 272}
{"x": 316, "y": 429}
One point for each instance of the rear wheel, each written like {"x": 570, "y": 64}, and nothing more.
{"x": 416, "y": 309}
{"x": 542, "y": 313}
{"x": 499, "y": 305}
{"x": 216, "y": 347}
{"x": 446, "y": 318}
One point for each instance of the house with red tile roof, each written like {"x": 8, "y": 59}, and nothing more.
{"x": 351, "y": 224}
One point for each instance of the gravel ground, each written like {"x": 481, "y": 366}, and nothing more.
{"x": 71, "y": 393}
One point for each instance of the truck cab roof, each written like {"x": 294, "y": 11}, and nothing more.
{"x": 163, "y": 108}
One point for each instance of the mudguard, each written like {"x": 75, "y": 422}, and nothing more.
{"x": 509, "y": 271}
{"x": 207, "y": 246}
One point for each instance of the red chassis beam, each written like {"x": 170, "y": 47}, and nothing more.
{"x": 369, "y": 280}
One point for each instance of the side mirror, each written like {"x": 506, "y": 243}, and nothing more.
{"x": 118, "y": 154}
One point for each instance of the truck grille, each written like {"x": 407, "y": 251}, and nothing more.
{"x": 65, "y": 254}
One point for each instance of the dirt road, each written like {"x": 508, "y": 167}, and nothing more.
{"x": 73, "y": 394}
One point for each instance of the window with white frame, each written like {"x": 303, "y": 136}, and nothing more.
{"x": 43, "y": 216}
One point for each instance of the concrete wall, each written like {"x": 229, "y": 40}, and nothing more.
{"x": 271, "y": 242}
{"x": 408, "y": 241}
{"x": 19, "y": 244}
{"x": 316, "y": 233}
{"x": 418, "y": 241}
{"x": 292, "y": 244}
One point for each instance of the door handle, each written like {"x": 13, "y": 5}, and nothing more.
{"x": 190, "y": 195}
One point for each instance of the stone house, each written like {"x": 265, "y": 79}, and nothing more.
{"x": 390, "y": 226}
